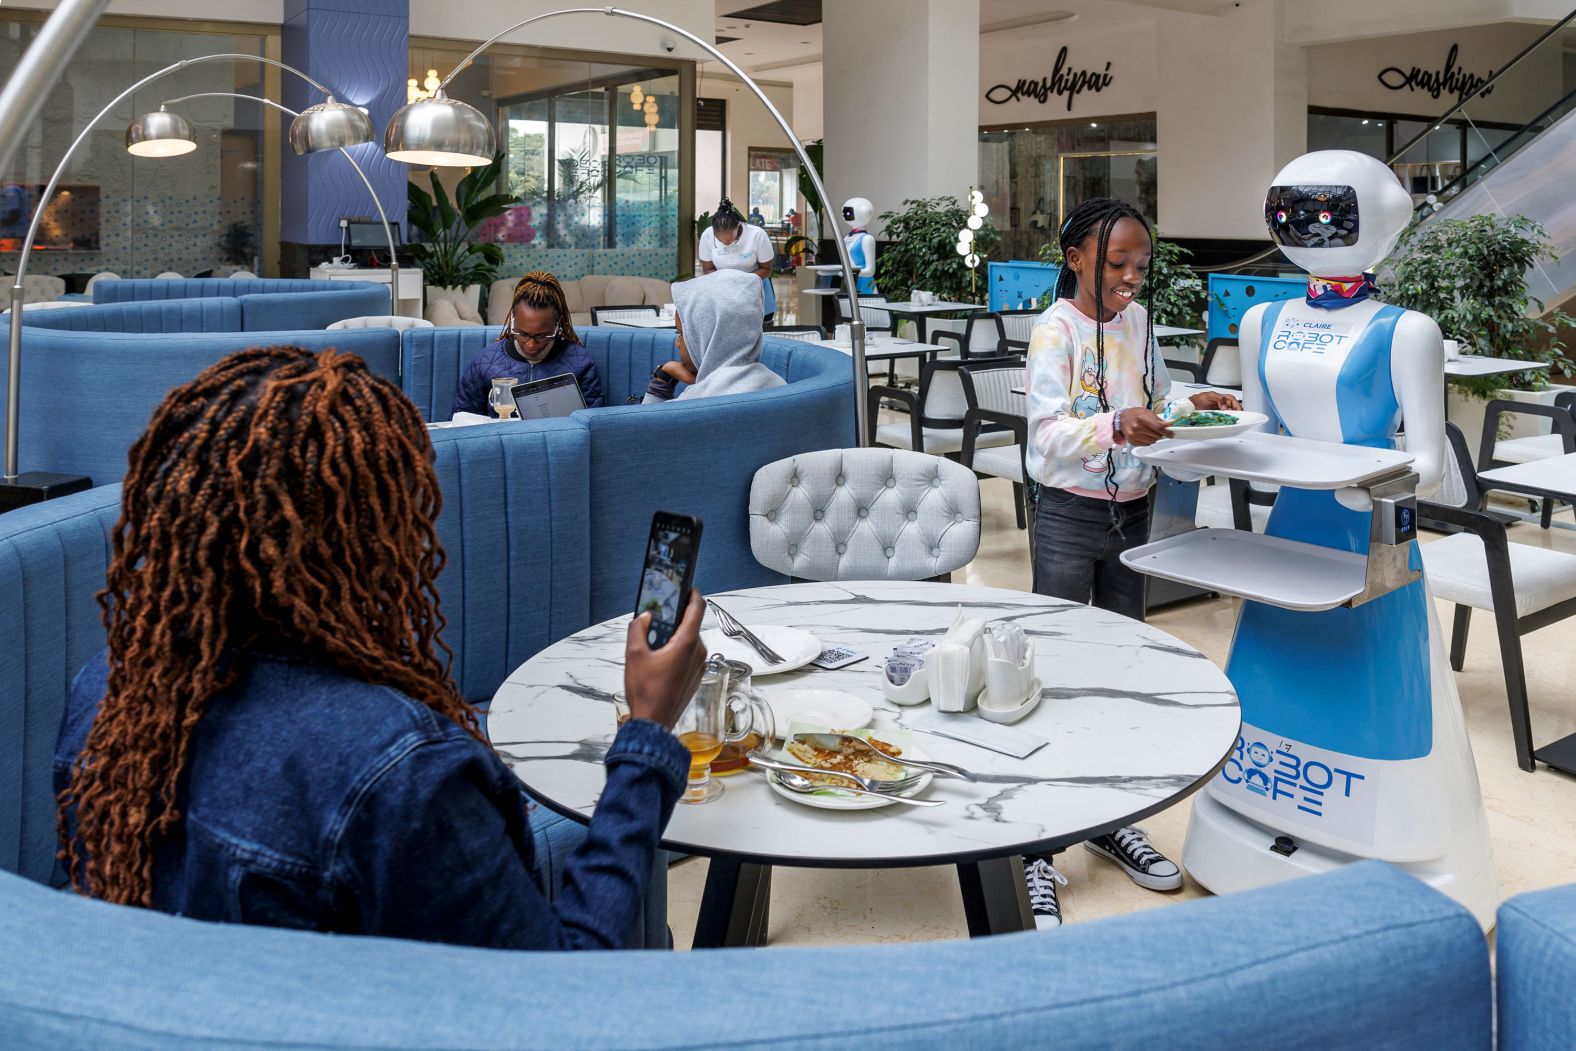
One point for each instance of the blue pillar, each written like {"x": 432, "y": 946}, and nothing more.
{"x": 360, "y": 50}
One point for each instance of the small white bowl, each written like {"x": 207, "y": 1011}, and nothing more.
{"x": 1013, "y": 714}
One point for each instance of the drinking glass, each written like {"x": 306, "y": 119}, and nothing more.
{"x": 500, "y": 398}
{"x": 723, "y": 710}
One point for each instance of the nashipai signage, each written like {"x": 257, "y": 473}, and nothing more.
{"x": 1063, "y": 84}
{"x": 1449, "y": 79}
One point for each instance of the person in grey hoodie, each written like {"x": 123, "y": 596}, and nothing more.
{"x": 718, "y": 324}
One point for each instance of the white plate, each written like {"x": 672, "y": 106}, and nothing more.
{"x": 831, "y": 799}
{"x": 1246, "y": 421}
{"x": 795, "y": 646}
{"x": 843, "y": 710}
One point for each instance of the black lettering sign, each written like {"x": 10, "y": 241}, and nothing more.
{"x": 1064, "y": 82}
{"x": 1438, "y": 81}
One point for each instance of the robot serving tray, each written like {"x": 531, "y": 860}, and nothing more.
{"x": 1278, "y": 459}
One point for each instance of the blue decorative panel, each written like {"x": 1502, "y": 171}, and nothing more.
{"x": 1019, "y": 284}
{"x": 1230, "y": 296}
{"x": 360, "y": 49}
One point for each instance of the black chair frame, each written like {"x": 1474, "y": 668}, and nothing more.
{"x": 962, "y": 338}
{"x": 1502, "y": 588}
{"x": 978, "y": 419}
{"x": 1562, "y": 415}
{"x": 914, "y": 401}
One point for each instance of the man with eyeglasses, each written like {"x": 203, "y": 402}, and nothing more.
{"x": 537, "y": 342}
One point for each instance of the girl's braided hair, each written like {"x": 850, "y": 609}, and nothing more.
{"x": 282, "y": 500}
{"x": 541, "y": 290}
{"x": 1095, "y": 218}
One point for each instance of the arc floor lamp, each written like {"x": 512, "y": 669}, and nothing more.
{"x": 165, "y": 134}
{"x": 449, "y": 133}
{"x": 329, "y": 125}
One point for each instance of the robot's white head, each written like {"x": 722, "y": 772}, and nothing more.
{"x": 1336, "y": 213}
{"x": 859, "y": 212}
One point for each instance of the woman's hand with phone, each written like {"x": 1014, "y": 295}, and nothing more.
{"x": 658, "y": 683}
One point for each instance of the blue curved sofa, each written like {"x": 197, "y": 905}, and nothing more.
{"x": 1364, "y": 957}
{"x": 267, "y": 304}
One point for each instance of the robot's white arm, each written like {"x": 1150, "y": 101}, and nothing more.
{"x": 1253, "y": 398}
{"x": 869, "y": 243}
{"x": 1417, "y": 369}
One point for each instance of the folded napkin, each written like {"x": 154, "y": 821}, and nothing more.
{"x": 957, "y": 665}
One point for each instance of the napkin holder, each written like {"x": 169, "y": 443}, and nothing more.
{"x": 956, "y": 667}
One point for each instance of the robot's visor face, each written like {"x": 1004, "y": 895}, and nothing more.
{"x": 1312, "y": 216}
{"x": 848, "y": 214}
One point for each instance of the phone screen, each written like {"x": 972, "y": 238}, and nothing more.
{"x": 668, "y": 574}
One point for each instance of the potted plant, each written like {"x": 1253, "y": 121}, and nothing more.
{"x": 453, "y": 265}
{"x": 1469, "y": 275}
{"x": 235, "y": 244}
{"x": 918, "y": 249}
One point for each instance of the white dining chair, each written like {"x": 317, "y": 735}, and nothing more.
{"x": 102, "y": 275}
{"x": 864, "y": 514}
{"x": 993, "y": 403}
{"x": 170, "y": 275}
{"x": 241, "y": 274}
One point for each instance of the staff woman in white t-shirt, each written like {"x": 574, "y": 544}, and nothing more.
{"x": 733, "y": 244}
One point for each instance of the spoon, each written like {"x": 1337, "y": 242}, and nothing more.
{"x": 802, "y": 785}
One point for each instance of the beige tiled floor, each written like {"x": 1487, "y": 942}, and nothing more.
{"x": 1532, "y": 816}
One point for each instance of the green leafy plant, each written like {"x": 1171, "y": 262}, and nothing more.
{"x": 799, "y": 244}
{"x": 1469, "y": 275}
{"x": 235, "y": 244}
{"x": 813, "y": 205}
{"x": 447, "y": 255}
{"x": 702, "y": 224}
{"x": 918, "y": 250}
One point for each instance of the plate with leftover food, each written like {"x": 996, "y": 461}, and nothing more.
{"x": 1215, "y": 423}
{"x": 893, "y": 741}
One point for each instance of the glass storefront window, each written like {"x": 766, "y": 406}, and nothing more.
{"x": 1031, "y": 177}
{"x": 195, "y": 214}
{"x": 593, "y": 152}
{"x": 774, "y": 185}
{"x": 1430, "y": 165}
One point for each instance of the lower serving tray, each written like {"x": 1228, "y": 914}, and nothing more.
{"x": 1267, "y": 569}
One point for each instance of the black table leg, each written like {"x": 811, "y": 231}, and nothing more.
{"x": 735, "y": 906}
{"x": 995, "y": 898}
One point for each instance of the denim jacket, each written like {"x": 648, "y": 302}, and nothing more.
{"x": 314, "y": 800}
{"x": 498, "y": 359}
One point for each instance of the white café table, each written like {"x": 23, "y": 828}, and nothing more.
{"x": 884, "y": 348}
{"x": 1470, "y": 366}
{"x": 1134, "y": 719}
{"x": 652, "y": 321}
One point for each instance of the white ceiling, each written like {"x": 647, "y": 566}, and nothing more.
{"x": 775, "y": 51}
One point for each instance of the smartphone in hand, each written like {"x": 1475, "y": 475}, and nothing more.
{"x": 668, "y": 576}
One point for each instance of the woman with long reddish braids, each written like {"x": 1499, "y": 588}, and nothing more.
{"x": 272, "y": 735}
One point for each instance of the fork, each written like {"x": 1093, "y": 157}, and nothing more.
{"x": 867, "y": 784}
{"x": 736, "y": 630}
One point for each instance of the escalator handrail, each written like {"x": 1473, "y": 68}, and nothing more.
{"x": 1459, "y": 182}
{"x": 1481, "y": 88}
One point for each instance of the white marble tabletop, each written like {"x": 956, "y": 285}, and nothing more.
{"x": 649, "y": 321}
{"x": 1470, "y": 365}
{"x": 1173, "y": 332}
{"x": 1555, "y": 476}
{"x": 941, "y": 307}
{"x": 882, "y": 347}
{"x": 1134, "y": 719}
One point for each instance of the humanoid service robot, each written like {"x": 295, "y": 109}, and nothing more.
{"x": 1353, "y": 744}
{"x": 861, "y": 243}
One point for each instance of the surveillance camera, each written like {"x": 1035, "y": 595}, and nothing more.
{"x": 669, "y": 45}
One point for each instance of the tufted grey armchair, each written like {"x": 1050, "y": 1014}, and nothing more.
{"x": 864, "y": 514}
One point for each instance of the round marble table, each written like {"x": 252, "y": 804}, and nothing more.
{"x": 1134, "y": 719}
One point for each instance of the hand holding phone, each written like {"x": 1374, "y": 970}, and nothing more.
{"x": 659, "y": 683}
{"x": 668, "y": 576}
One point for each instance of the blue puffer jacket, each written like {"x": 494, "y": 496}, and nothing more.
{"x": 499, "y": 359}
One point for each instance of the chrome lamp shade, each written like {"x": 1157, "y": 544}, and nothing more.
{"x": 329, "y": 125}
{"x": 439, "y": 131}
{"x": 160, "y": 134}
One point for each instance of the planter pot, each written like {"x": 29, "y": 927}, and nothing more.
{"x": 467, "y": 301}
{"x": 1467, "y": 413}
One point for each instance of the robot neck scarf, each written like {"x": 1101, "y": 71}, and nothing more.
{"x": 1332, "y": 293}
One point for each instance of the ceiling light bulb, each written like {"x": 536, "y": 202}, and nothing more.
{"x": 981, "y": 210}
{"x": 962, "y": 247}
{"x": 971, "y": 260}
{"x": 433, "y": 81}
{"x": 975, "y": 222}
{"x": 965, "y": 236}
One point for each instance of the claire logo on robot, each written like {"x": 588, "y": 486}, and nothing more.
{"x": 1062, "y": 82}
{"x": 1303, "y": 334}
{"x": 1280, "y": 774}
